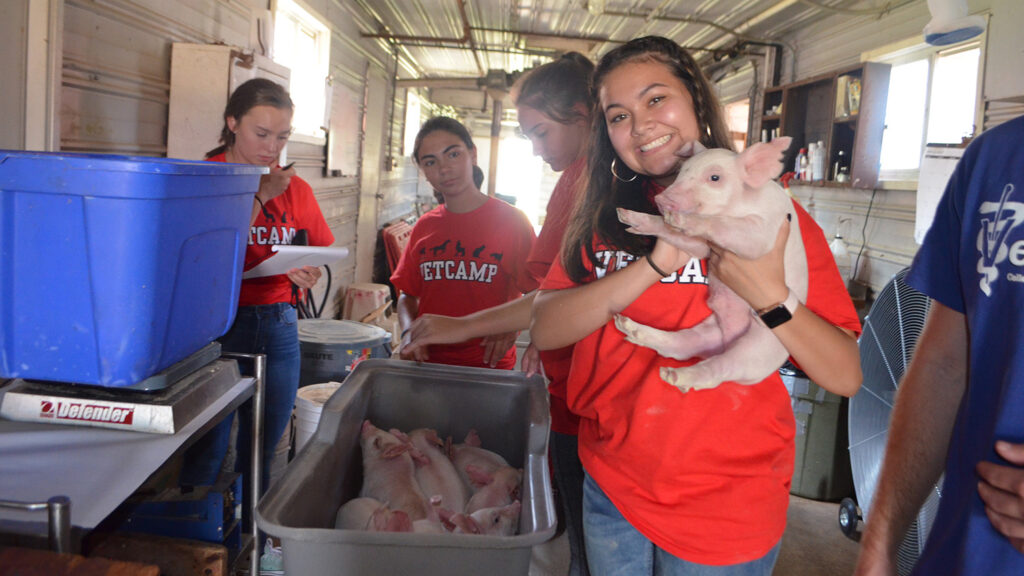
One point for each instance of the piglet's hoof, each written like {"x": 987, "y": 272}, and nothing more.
{"x": 630, "y": 328}
{"x": 674, "y": 377}
{"x": 686, "y": 380}
{"x": 640, "y": 223}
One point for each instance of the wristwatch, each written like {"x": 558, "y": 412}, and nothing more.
{"x": 778, "y": 314}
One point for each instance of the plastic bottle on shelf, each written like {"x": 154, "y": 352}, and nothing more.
{"x": 800, "y": 165}
{"x": 818, "y": 162}
{"x": 812, "y": 153}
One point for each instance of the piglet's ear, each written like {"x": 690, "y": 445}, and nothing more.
{"x": 763, "y": 161}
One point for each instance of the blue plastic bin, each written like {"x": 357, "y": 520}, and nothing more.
{"x": 112, "y": 268}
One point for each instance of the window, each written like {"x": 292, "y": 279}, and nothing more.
{"x": 737, "y": 116}
{"x": 933, "y": 96}
{"x": 302, "y": 43}
{"x": 412, "y": 122}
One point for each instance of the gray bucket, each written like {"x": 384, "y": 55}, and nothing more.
{"x": 330, "y": 349}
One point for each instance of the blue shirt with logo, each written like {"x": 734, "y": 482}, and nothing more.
{"x": 972, "y": 261}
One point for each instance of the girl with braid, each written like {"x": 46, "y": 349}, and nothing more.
{"x": 677, "y": 483}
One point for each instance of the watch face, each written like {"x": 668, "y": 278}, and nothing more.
{"x": 776, "y": 316}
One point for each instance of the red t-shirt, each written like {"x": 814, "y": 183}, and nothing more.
{"x": 545, "y": 251}
{"x": 704, "y": 475}
{"x": 457, "y": 264}
{"x": 296, "y": 209}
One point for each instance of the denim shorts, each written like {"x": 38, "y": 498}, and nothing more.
{"x": 615, "y": 548}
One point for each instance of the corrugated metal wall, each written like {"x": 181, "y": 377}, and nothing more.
{"x": 114, "y": 98}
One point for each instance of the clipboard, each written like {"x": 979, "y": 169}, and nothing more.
{"x": 287, "y": 256}
{"x": 936, "y": 168}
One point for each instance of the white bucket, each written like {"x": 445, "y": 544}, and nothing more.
{"x": 309, "y": 402}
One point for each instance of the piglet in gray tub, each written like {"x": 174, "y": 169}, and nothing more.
{"x": 389, "y": 473}
{"x": 731, "y": 200}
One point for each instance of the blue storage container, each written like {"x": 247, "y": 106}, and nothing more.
{"x": 112, "y": 268}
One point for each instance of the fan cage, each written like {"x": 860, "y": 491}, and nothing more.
{"x": 888, "y": 342}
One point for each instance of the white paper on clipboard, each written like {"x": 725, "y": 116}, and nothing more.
{"x": 287, "y": 256}
{"x": 936, "y": 167}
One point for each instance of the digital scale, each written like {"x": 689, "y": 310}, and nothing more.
{"x": 123, "y": 436}
{"x": 163, "y": 403}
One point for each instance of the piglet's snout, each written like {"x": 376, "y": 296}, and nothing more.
{"x": 674, "y": 199}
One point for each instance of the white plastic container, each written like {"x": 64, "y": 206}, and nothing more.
{"x": 309, "y": 403}
{"x": 841, "y": 254}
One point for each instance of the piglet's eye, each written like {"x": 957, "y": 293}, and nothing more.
{"x": 715, "y": 177}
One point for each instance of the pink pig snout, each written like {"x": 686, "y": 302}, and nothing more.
{"x": 675, "y": 199}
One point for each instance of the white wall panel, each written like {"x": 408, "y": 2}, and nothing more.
{"x": 997, "y": 112}
{"x": 887, "y": 240}
{"x": 1006, "y": 51}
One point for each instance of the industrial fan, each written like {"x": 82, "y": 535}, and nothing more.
{"x": 886, "y": 346}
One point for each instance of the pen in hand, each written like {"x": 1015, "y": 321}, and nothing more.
{"x": 289, "y": 165}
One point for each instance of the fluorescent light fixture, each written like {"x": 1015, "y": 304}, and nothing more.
{"x": 950, "y": 23}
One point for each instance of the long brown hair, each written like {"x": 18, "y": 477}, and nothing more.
{"x": 252, "y": 93}
{"x": 558, "y": 89}
{"x": 595, "y": 213}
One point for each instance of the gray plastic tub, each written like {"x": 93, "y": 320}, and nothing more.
{"x": 509, "y": 411}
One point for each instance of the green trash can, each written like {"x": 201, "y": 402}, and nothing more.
{"x": 821, "y": 469}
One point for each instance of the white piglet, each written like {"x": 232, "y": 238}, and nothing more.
{"x": 731, "y": 200}
{"x": 371, "y": 515}
{"x": 492, "y": 489}
{"x": 389, "y": 473}
{"x": 471, "y": 453}
{"x": 435, "y": 473}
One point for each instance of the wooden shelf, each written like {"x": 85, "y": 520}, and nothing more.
{"x": 808, "y": 115}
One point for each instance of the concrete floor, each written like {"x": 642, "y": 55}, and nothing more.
{"x": 812, "y": 545}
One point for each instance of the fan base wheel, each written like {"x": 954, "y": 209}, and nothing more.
{"x": 850, "y": 519}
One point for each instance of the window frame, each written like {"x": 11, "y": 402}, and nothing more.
{"x": 311, "y": 22}
{"x": 913, "y": 49}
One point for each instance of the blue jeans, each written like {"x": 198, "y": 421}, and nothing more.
{"x": 615, "y": 548}
{"x": 568, "y": 472}
{"x": 271, "y": 330}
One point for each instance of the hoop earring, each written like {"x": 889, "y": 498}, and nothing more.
{"x": 620, "y": 178}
